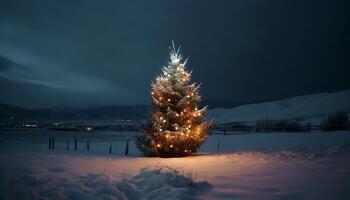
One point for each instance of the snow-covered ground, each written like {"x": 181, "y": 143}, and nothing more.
{"x": 312, "y": 108}
{"x": 250, "y": 166}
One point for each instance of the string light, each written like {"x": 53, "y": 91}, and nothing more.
{"x": 183, "y": 131}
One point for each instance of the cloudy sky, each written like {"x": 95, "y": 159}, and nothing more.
{"x": 69, "y": 53}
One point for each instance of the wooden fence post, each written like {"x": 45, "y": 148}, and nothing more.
{"x": 127, "y": 147}
{"x": 53, "y": 142}
{"x": 49, "y": 143}
{"x": 110, "y": 148}
{"x": 88, "y": 145}
{"x": 67, "y": 144}
{"x": 75, "y": 144}
{"x": 218, "y": 147}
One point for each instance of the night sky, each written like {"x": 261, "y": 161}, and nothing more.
{"x": 70, "y": 53}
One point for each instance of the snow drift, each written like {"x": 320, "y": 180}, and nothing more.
{"x": 300, "y": 107}
{"x": 161, "y": 183}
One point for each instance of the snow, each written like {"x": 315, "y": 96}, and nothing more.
{"x": 248, "y": 166}
{"x": 314, "y": 107}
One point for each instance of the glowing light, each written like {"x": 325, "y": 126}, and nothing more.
{"x": 182, "y": 133}
{"x": 169, "y": 100}
{"x": 176, "y": 128}
{"x": 185, "y": 151}
{"x": 177, "y": 115}
{"x": 158, "y": 145}
{"x": 171, "y": 146}
{"x": 196, "y": 109}
{"x": 160, "y": 129}
{"x": 164, "y": 121}
{"x": 161, "y": 118}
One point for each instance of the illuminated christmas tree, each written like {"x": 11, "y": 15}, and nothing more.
{"x": 177, "y": 126}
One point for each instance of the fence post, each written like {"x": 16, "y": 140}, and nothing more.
{"x": 127, "y": 147}
{"x": 110, "y": 148}
{"x": 67, "y": 144}
{"x": 218, "y": 147}
{"x": 88, "y": 145}
{"x": 49, "y": 143}
{"x": 53, "y": 142}
{"x": 75, "y": 143}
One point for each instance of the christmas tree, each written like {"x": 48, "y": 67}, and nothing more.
{"x": 177, "y": 126}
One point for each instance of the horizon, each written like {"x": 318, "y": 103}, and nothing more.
{"x": 237, "y": 104}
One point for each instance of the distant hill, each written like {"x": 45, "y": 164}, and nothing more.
{"x": 136, "y": 112}
{"x": 302, "y": 107}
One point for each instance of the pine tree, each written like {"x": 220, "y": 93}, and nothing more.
{"x": 177, "y": 126}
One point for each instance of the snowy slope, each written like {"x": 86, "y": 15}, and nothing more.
{"x": 306, "y": 107}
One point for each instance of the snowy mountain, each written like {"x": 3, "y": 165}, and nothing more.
{"x": 315, "y": 106}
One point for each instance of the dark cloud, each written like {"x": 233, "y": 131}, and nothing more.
{"x": 241, "y": 51}
{"x": 5, "y": 64}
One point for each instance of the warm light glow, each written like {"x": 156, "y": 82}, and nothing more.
{"x": 172, "y": 95}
